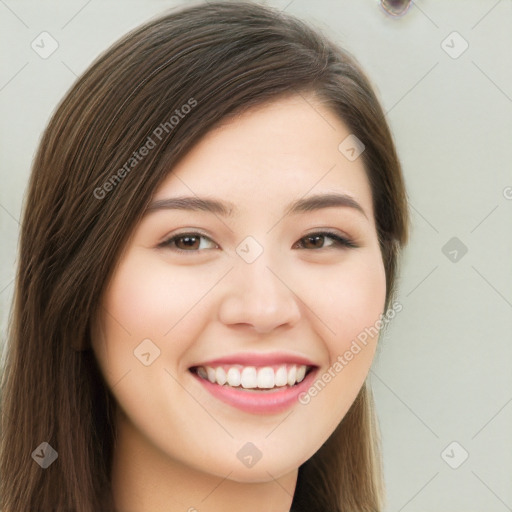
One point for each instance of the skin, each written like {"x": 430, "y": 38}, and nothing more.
{"x": 177, "y": 443}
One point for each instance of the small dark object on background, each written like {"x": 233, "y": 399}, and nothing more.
{"x": 396, "y": 7}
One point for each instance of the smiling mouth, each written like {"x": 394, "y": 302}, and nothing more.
{"x": 268, "y": 378}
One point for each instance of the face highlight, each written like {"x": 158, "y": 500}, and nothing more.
{"x": 261, "y": 241}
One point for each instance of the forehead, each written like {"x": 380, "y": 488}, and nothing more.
{"x": 270, "y": 155}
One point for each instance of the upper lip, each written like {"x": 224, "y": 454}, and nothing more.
{"x": 258, "y": 359}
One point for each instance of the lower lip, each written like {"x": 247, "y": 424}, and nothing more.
{"x": 259, "y": 402}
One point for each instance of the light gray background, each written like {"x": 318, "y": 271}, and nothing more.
{"x": 442, "y": 373}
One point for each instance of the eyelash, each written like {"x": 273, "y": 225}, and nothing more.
{"x": 339, "y": 241}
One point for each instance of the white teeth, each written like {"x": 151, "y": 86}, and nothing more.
{"x": 250, "y": 377}
{"x": 266, "y": 378}
{"x": 234, "y": 377}
{"x": 220, "y": 375}
{"x": 292, "y": 373}
{"x": 281, "y": 378}
{"x": 211, "y": 374}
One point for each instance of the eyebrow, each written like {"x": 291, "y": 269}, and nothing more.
{"x": 227, "y": 209}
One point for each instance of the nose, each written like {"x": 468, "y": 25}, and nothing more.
{"x": 259, "y": 296}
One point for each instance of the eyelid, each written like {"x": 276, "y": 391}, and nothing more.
{"x": 327, "y": 231}
{"x": 165, "y": 243}
{"x": 190, "y": 231}
{"x": 339, "y": 238}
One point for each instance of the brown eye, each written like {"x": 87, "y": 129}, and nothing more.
{"x": 316, "y": 241}
{"x": 187, "y": 242}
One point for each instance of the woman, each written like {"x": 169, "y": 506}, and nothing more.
{"x": 213, "y": 223}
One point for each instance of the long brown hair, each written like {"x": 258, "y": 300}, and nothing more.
{"x": 88, "y": 188}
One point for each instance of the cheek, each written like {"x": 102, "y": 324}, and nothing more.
{"x": 139, "y": 297}
{"x": 150, "y": 299}
{"x": 352, "y": 301}
{"x": 150, "y": 302}
{"x": 349, "y": 299}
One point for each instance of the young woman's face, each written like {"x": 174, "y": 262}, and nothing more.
{"x": 262, "y": 289}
